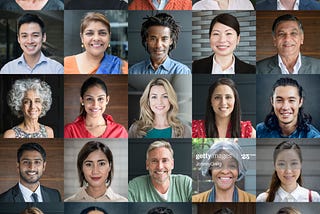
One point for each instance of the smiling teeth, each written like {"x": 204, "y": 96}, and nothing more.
{"x": 31, "y": 173}
{"x": 225, "y": 178}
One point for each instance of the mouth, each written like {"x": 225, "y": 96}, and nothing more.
{"x": 95, "y": 110}
{"x": 96, "y": 45}
{"x": 160, "y": 172}
{"x": 285, "y": 114}
{"x": 31, "y": 173}
{"x": 223, "y": 108}
{"x": 30, "y": 47}
{"x": 95, "y": 178}
{"x": 222, "y": 47}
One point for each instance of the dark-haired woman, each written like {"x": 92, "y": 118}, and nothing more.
{"x": 223, "y": 114}
{"x": 92, "y": 121}
{"x": 286, "y": 181}
{"x": 224, "y": 34}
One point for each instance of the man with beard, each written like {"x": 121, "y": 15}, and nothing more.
{"x": 286, "y": 118}
{"x": 31, "y": 163}
{"x": 160, "y": 185}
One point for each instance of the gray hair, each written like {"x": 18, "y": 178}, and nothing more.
{"x": 20, "y": 87}
{"x": 159, "y": 144}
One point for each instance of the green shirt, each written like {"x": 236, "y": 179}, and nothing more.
{"x": 141, "y": 189}
{"x": 159, "y": 133}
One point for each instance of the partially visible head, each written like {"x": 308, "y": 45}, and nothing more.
{"x": 225, "y": 19}
{"x": 223, "y": 101}
{"x": 158, "y": 88}
{"x": 224, "y": 211}
{"x": 288, "y": 36}
{"x": 94, "y": 17}
{"x": 93, "y": 210}
{"x": 31, "y": 210}
{"x": 19, "y": 100}
{"x": 31, "y": 18}
{"x": 160, "y": 210}
{"x": 88, "y": 149}
{"x": 160, "y": 161}
{"x": 31, "y": 163}
{"x": 288, "y": 210}
{"x": 90, "y": 83}
{"x": 162, "y": 20}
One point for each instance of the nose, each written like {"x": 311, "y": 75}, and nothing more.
{"x": 158, "y": 43}
{"x": 223, "y": 100}
{"x": 285, "y": 105}
{"x": 96, "y": 36}
{"x": 95, "y": 102}
{"x": 222, "y": 37}
{"x": 95, "y": 169}
{"x": 160, "y": 165}
{"x": 32, "y": 165}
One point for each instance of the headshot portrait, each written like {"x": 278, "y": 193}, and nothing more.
{"x": 98, "y": 49}
{"x": 159, "y": 170}
{"x": 19, "y": 5}
{"x": 287, "y": 42}
{"x": 223, "y": 5}
{"x": 287, "y": 5}
{"x": 32, "y": 106}
{"x": 215, "y": 47}
{"x": 285, "y": 172}
{"x": 223, "y": 170}
{"x": 160, "y": 5}
{"x": 287, "y": 107}
{"x": 95, "y": 208}
{"x": 162, "y": 36}
{"x": 160, "y": 106}
{"x": 101, "y": 103}
{"x": 101, "y": 167}
{"x": 160, "y": 208}
{"x": 34, "y": 42}
{"x": 33, "y": 170}
{"x": 216, "y": 109}
{"x": 224, "y": 208}
{"x": 96, "y": 5}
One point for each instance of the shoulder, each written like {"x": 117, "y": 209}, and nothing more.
{"x": 186, "y": 131}
{"x": 8, "y": 196}
{"x": 138, "y": 5}
{"x": 243, "y": 67}
{"x": 315, "y": 196}
{"x": 9, "y": 134}
{"x": 70, "y": 65}
{"x": 49, "y": 131}
{"x": 245, "y": 196}
{"x": 246, "y": 129}
{"x": 54, "y": 5}
{"x": 201, "y": 197}
{"x": 52, "y": 192}
{"x": 262, "y": 197}
{"x": 309, "y": 59}
{"x": 178, "y": 67}
{"x": 9, "y": 66}
{"x": 313, "y": 132}
{"x": 198, "y": 129}
{"x": 203, "y": 65}
{"x": 133, "y": 130}
{"x": 138, "y": 68}
{"x": 264, "y": 65}
{"x": 309, "y": 5}
{"x": 138, "y": 181}
{"x": 261, "y": 130}
{"x": 181, "y": 178}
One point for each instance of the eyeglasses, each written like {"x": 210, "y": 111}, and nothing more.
{"x": 284, "y": 165}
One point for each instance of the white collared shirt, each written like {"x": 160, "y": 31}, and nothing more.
{"x": 217, "y": 69}
{"x": 281, "y": 7}
{"x": 213, "y": 5}
{"x": 284, "y": 69}
{"x": 161, "y": 5}
{"x": 27, "y": 193}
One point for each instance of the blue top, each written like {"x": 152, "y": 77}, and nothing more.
{"x": 169, "y": 66}
{"x": 44, "y": 66}
{"x": 159, "y": 133}
{"x": 264, "y": 132}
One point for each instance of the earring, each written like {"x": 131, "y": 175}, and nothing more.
{"x": 82, "y": 46}
{"x": 109, "y": 45}
{"x": 82, "y": 104}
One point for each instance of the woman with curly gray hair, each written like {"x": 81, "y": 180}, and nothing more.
{"x": 30, "y": 99}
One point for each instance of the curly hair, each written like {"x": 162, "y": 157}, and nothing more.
{"x": 161, "y": 19}
{"x": 20, "y": 87}
{"x": 146, "y": 119}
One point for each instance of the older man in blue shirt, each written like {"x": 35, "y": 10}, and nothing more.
{"x": 159, "y": 37}
{"x": 31, "y": 35}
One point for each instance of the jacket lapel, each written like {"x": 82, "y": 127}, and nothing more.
{"x": 17, "y": 194}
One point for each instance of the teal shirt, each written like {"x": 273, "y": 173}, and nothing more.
{"x": 159, "y": 133}
{"x": 141, "y": 189}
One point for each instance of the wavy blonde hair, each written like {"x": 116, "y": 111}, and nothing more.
{"x": 146, "y": 119}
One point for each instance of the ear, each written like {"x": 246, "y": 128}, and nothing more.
{"x": 44, "y": 38}
{"x": 147, "y": 165}
{"x": 81, "y": 100}
{"x": 18, "y": 38}
{"x": 18, "y": 169}
{"x": 107, "y": 99}
{"x": 44, "y": 166}
{"x": 302, "y": 38}
{"x": 81, "y": 37}
{"x": 271, "y": 100}
{"x": 238, "y": 40}
{"x": 301, "y": 102}
{"x": 172, "y": 163}
{"x": 274, "y": 41}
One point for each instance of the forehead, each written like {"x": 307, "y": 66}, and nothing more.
{"x": 160, "y": 31}
{"x": 157, "y": 89}
{"x": 31, "y": 93}
{"x": 221, "y": 27}
{"x": 31, "y": 27}
{"x": 286, "y": 91}
{"x": 95, "y": 90}
{"x": 92, "y": 25}
{"x": 288, "y": 154}
{"x": 31, "y": 154}
{"x": 160, "y": 152}
{"x": 96, "y": 155}
{"x": 287, "y": 25}
{"x": 223, "y": 89}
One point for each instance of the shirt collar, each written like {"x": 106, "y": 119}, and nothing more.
{"x": 281, "y": 7}
{"x": 165, "y": 65}
{"x": 43, "y": 58}
{"x": 284, "y": 69}
{"x": 161, "y": 5}
{"x": 109, "y": 194}
{"x": 27, "y": 193}
{"x": 290, "y": 197}
{"x": 216, "y": 68}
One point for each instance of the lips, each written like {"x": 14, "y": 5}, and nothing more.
{"x": 31, "y": 173}
{"x": 223, "y": 108}
{"x": 222, "y": 47}
{"x": 96, "y": 45}
{"x": 95, "y": 178}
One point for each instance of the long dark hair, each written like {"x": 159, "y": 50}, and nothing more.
{"x": 275, "y": 181}
{"x": 271, "y": 120}
{"x": 210, "y": 118}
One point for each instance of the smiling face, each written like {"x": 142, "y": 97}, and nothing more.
{"x": 288, "y": 167}
{"x": 31, "y": 105}
{"x": 94, "y": 100}
{"x": 286, "y": 103}
{"x": 96, "y": 169}
{"x": 288, "y": 38}
{"x": 30, "y": 39}
{"x": 223, "y": 40}
{"x": 95, "y": 38}
{"x": 224, "y": 171}
{"x": 30, "y": 167}
{"x": 158, "y": 42}
{"x": 159, "y": 100}
{"x": 222, "y": 101}
{"x": 160, "y": 164}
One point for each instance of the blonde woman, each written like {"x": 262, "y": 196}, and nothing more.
{"x": 158, "y": 113}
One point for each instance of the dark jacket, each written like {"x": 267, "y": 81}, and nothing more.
{"x": 272, "y": 5}
{"x": 204, "y": 66}
{"x": 97, "y": 5}
{"x": 14, "y": 195}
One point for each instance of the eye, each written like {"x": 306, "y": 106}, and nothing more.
{"x": 89, "y": 33}
{"x": 217, "y": 97}
{"x": 103, "y": 33}
{"x": 153, "y": 97}
{"x": 89, "y": 99}
{"x": 88, "y": 164}
{"x": 101, "y": 99}
{"x": 102, "y": 163}
{"x": 229, "y": 97}
{"x": 37, "y": 162}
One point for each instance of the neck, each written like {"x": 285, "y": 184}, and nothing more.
{"x": 32, "y": 60}
{"x": 31, "y": 187}
{"x": 224, "y": 195}
{"x": 222, "y": 125}
{"x": 161, "y": 187}
{"x": 96, "y": 192}
{"x": 288, "y": 129}
{"x": 160, "y": 122}
{"x": 288, "y": 4}
{"x": 31, "y": 125}
{"x": 224, "y": 61}
{"x": 289, "y": 187}
{"x": 290, "y": 61}
{"x": 91, "y": 59}
{"x": 223, "y": 4}
{"x": 157, "y": 62}
{"x": 94, "y": 122}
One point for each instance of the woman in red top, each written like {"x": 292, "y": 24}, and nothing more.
{"x": 222, "y": 119}
{"x": 92, "y": 122}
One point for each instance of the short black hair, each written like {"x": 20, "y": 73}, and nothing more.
{"x": 29, "y": 18}
{"x": 283, "y": 18}
{"x": 31, "y": 147}
{"x": 160, "y": 210}
{"x": 87, "y": 210}
{"x": 226, "y": 19}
